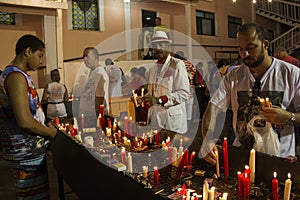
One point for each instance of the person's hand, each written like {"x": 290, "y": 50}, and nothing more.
{"x": 150, "y": 100}
{"x": 53, "y": 130}
{"x": 275, "y": 114}
{"x": 208, "y": 153}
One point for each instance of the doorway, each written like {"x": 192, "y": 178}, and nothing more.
{"x": 148, "y": 18}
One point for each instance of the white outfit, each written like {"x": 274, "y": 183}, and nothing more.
{"x": 56, "y": 106}
{"x": 281, "y": 83}
{"x": 172, "y": 81}
{"x": 115, "y": 80}
{"x": 96, "y": 86}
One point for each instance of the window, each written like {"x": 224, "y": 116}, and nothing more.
{"x": 85, "y": 15}
{"x": 205, "y": 23}
{"x": 7, "y": 18}
{"x": 234, "y": 24}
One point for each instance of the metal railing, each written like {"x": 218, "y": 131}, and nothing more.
{"x": 284, "y": 9}
{"x": 289, "y": 40}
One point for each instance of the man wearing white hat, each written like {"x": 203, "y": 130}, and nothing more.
{"x": 168, "y": 88}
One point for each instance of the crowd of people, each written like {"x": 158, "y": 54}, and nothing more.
{"x": 168, "y": 87}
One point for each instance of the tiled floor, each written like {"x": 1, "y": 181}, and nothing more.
{"x": 7, "y": 189}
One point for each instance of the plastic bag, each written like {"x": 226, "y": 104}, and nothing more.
{"x": 266, "y": 139}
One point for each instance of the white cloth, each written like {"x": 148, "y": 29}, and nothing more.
{"x": 115, "y": 80}
{"x": 281, "y": 83}
{"x": 96, "y": 86}
{"x": 172, "y": 81}
{"x": 56, "y": 92}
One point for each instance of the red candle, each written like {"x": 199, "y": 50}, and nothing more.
{"x": 100, "y": 121}
{"x": 156, "y": 176}
{"x": 240, "y": 184}
{"x": 247, "y": 171}
{"x": 156, "y": 137}
{"x": 102, "y": 114}
{"x": 275, "y": 187}
{"x": 246, "y": 185}
{"x": 56, "y": 121}
{"x": 123, "y": 156}
{"x": 109, "y": 123}
{"x": 192, "y": 157}
{"x": 225, "y": 152}
{"x": 82, "y": 121}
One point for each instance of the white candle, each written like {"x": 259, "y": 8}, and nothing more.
{"x": 217, "y": 164}
{"x": 211, "y": 193}
{"x": 205, "y": 190}
{"x": 180, "y": 151}
{"x": 252, "y": 166}
{"x": 224, "y": 197}
{"x": 287, "y": 188}
{"x": 145, "y": 171}
{"x": 129, "y": 160}
{"x": 174, "y": 156}
{"x": 134, "y": 98}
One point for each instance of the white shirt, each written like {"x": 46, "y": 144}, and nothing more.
{"x": 281, "y": 83}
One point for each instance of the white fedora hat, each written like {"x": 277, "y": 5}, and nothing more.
{"x": 160, "y": 36}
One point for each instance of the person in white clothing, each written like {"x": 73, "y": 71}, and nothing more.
{"x": 95, "y": 91}
{"x": 168, "y": 89}
{"x": 263, "y": 76}
{"x": 115, "y": 78}
{"x": 55, "y": 94}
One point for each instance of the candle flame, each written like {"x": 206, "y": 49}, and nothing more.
{"x": 246, "y": 167}
{"x": 275, "y": 174}
{"x": 239, "y": 172}
{"x": 289, "y": 175}
{"x": 193, "y": 152}
{"x": 225, "y": 138}
{"x": 225, "y": 195}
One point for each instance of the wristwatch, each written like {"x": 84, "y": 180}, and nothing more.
{"x": 292, "y": 120}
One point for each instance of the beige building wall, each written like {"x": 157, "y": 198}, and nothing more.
{"x": 172, "y": 14}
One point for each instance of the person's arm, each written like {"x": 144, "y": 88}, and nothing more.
{"x": 208, "y": 126}
{"x": 66, "y": 96}
{"x": 45, "y": 95}
{"x": 276, "y": 115}
{"x": 17, "y": 92}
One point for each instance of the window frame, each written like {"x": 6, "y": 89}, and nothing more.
{"x": 231, "y": 32}
{"x": 206, "y": 19}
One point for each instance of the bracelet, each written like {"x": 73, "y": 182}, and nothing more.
{"x": 292, "y": 120}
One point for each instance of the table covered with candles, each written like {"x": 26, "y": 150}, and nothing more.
{"x": 105, "y": 169}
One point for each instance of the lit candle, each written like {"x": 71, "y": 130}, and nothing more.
{"x": 205, "y": 190}
{"x": 129, "y": 162}
{"x": 168, "y": 141}
{"x": 252, "y": 166}
{"x": 240, "y": 184}
{"x": 145, "y": 171}
{"x": 142, "y": 96}
{"x": 56, "y": 121}
{"x": 192, "y": 157}
{"x": 211, "y": 193}
{"x": 247, "y": 171}
{"x": 246, "y": 185}
{"x": 275, "y": 187}
{"x": 268, "y": 104}
{"x": 102, "y": 114}
{"x": 115, "y": 125}
{"x": 156, "y": 176}
{"x": 123, "y": 155}
{"x": 217, "y": 164}
{"x": 82, "y": 121}
{"x": 134, "y": 98}
{"x": 287, "y": 188}
{"x": 180, "y": 151}
{"x": 225, "y": 152}
{"x": 100, "y": 121}
{"x": 130, "y": 126}
{"x": 224, "y": 197}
